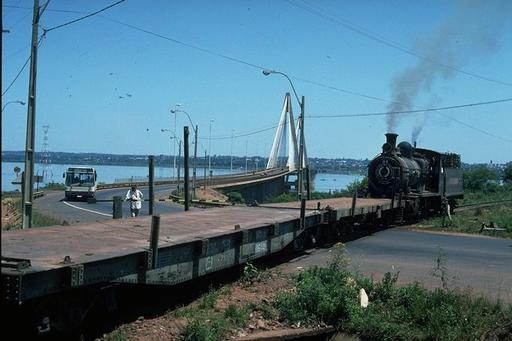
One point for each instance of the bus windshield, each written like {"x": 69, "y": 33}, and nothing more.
{"x": 78, "y": 178}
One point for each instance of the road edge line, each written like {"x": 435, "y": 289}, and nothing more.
{"x": 84, "y": 209}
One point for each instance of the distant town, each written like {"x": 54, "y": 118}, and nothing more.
{"x": 339, "y": 165}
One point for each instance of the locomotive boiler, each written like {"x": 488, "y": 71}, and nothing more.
{"x": 425, "y": 179}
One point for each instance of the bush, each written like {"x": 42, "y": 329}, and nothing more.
{"x": 235, "y": 197}
{"x": 237, "y": 316}
{"x": 54, "y": 186}
{"x": 201, "y": 330}
{"x": 411, "y": 312}
{"x": 478, "y": 178}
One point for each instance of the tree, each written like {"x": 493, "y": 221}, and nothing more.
{"x": 478, "y": 178}
{"x": 360, "y": 185}
{"x": 507, "y": 177}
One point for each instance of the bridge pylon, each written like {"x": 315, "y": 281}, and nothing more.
{"x": 287, "y": 134}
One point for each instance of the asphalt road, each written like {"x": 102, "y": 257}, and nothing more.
{"x": 54, "y": 205}
{"x": 483, "y": 264}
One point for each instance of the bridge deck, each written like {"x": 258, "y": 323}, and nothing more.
{"x": 114, "y": 249}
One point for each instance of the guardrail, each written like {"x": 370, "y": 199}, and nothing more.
{"x": 214, "y": 181}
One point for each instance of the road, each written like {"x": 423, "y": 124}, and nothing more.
{"x": 482, "y": 263}
{"x": 54, "y": 205}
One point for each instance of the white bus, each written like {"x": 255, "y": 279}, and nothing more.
{"x": 80, "y": 182}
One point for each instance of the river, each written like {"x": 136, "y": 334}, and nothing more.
{"x": 322, "y": 182}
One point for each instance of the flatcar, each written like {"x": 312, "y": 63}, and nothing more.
{"x": 424, "y": 181}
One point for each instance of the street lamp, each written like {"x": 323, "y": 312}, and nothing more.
{"x": 174, "y": 144}
{"x": 301, "y": 149}
{"x": 194, "y": 167}
{"x": 210, "y": 150}
{"x": 231, "y": 149}
{"x": 175, "y": 138}
{"x": 19, "y": 102}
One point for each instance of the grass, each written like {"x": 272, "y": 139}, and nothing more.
{"x": 410, "y": 312}
{"x": 476, "y": 197}
{"x": 117, "y": 335}
{"x": 286, "y": 197}
{"x": 471, "y": 220}
{"x": 38, "y": 219}
{"x": 207, "y": 322}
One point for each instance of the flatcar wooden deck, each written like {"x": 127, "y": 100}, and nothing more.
{"x": 41, "y": 261}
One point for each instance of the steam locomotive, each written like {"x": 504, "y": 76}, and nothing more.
{"x": 424, "y": 181}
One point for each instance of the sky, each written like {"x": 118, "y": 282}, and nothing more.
{"x": 108, "y": 83}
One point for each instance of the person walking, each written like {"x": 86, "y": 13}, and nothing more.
{"x": 135, "y": 197}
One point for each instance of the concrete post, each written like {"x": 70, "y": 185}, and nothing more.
{"x": 117, "y": 207}
{"x": 153, "y": 240}
{"x": 151, "y": 165}
{"x": 185, "y": 162}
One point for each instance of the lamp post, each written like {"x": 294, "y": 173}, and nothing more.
{"x": 301, "y": 148}
{"x": 174, "y": 138}
{"x": 210, "y": 149}
{"x": 174, "y": 144}
{"x": 194, "y": 166}
{"x": 19, "y": 102}
{"x": 231, "y": 149}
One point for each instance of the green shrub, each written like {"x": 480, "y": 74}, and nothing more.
{"x": 235, "y": 197}
{"x": 214, "y": 329}
{"x": 53, "y": 186}
{"x": 209, "y": 299}
{"x": 250, "y": 273}
{"x": 237, "y": 316}
{"x": 410, "y": 312}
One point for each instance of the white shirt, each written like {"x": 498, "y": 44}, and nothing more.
{"x": 135, "y": 198}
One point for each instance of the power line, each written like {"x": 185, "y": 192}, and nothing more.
{"x": 253, "y": 132}
{"x": 54, "y": 28}
{"x": 235, "y": 59}
{"x": 195, "y": 47}
{"x": 84, "y": 17}
{"x": 21, "y": 70}
{"x": 240, "y": 61}
{"x": 240, "y": 135}
{"x": 390, "y": 43}
{"x": 430, "y": 109}
{"x": 475, "y": 128}
{"x": 16, "y": 77}
{"x": 413, "y": 111}
{"x": 49, "y": 10}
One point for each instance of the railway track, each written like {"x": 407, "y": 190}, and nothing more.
{"x": 481, "y": 205}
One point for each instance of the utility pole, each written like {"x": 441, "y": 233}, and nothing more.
{"x": 210, "y": 149}
{"x": 231, "y": 149}
{"x": 246, "y": 143}
{"x": 195, "y": 164}
{"x": 185, "y": 163}
{"x": 179, "y": 165}
{"x": 205, "y": 153}
{"x": 28, "y": 175}
{"x": 301, "y": 168}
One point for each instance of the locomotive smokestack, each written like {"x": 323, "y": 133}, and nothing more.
{"x": 390, "y": 145}
{"x": 391, "y": 139}
{"x": 414, "y": 144}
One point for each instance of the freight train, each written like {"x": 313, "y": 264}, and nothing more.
{"x": 425, "y": 182}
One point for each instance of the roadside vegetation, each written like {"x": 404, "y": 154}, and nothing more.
{"x": 321, "y": 297}
{"x": 361, "y": 186}
{"x": 409, "y": 312}
{"x": 11, "y": 215}
{"x": 481, "y": 186}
